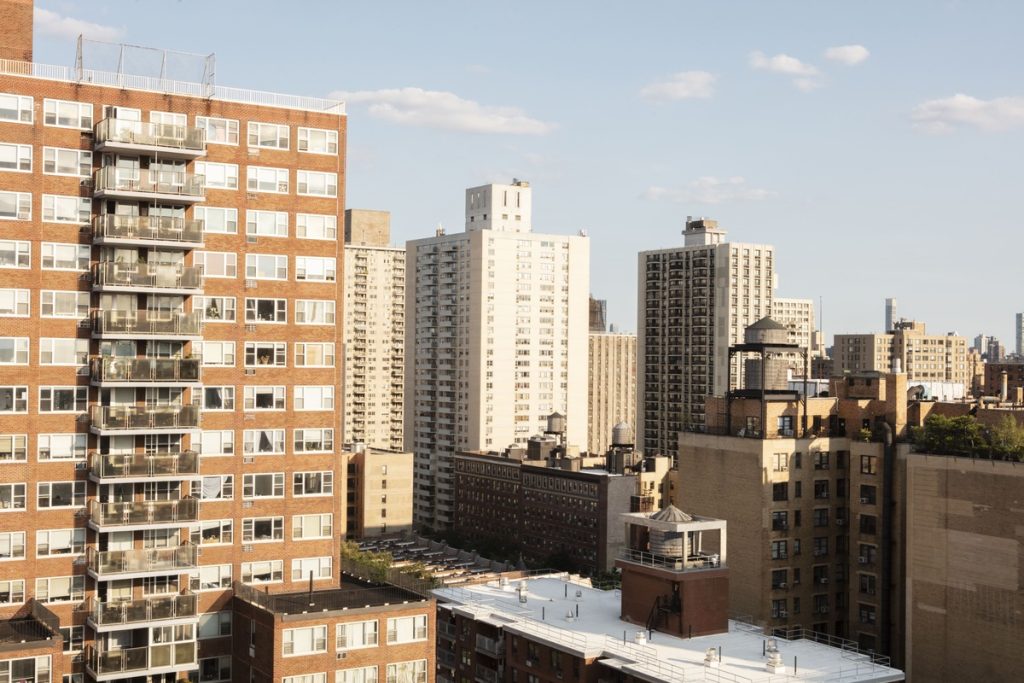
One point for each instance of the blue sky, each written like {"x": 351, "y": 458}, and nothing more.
{"x": 891, "y": 167}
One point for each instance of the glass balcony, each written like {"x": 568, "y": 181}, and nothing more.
{"x": 128, "y": 276}
{"x": 146, "y": 324}
{"x": 112, "y": 564}
{"x": 113, "y": 369}
{"x": 162, "y": 231}
{"x": 175, "y": 187}
{"x": 120, "y": 135}
{"x": 127, "y": 418}
{"x": 136, "y": 661}
{"x": 143, "y": 466}
{"x": 148, "y": 513}
{"x": 142, "y": 611}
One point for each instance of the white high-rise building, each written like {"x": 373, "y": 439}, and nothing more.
{"x": 694, "y": 302}
{"x": 496, "y": 339}
{"x": 890, "y": 316}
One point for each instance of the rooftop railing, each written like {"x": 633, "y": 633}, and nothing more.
{"x": 692, "y": 562}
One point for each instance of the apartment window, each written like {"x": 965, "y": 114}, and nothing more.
{"x": 61, "y": 351}
{"x": 868, "y": 524}
{"x": 780, "y": 491}
{"x": 218, "y": 176}
{"x": 821, "y": 487}
{"x": 60, "y": 588}
{"x": 217, "y": 263}
{"x": 304, "y": 641}
{"x": 268, "y": 135}
{"x": 218, "y": 398}
{"x": 63, "y": 399}
{"x": 63, "y": 209}
{"x": 263, "y": 441}
{"x": 61, "y": 446}
{"x": 15, "y": 108}
{"x": 263, "y": 572}
{"x": 266, "y": 353}
{"x": 266, "y": 223}
{"x": 15, "y": 157}
{"x": 72, "y": 678}
{"x": 314, "y": 312}
{"x": 306, "y": 678}
{"x": 314, "y": 440}
{"x": 780, "y": 520}
{"x": 318, "y": 141}
{"x": 265, "y": 485}
{"x": 76, "y": 163}
{"x": 363, "y": 674}
{"x": 304, "y": 567}
{"x": 315, "y": 268}
{"x": 15, "y": 254}
{"x": 262, "y": 179}
{"x": 15, "y": 206}
{"x": 820, "y": 516}
{"x": 65, "y": 256}
{"x": 12, "y": 545}
{"x": 408, "y": 672}
{"x": 314, "y": 355}
{"x": 266, "y": 310}
{"x": 216, "y": 353}
{"x": 316, "y": 226}
{"x": 357, "y": 634}
{"x": 218, "y": 220}
{"x": 866, "y": 614}
{"x": 13, "y": 448}
{"x": 215, "y": 669}
{"x": 14, "y": 303}
{"x": 221, "y": 442}
{"x": 217, "y": 487}
{"x": 73, "y": 637}
{"x": 266, "y": 266}
{"x": 779, "y": 550}
{"x": 12, "y": 592}
{"x": 779, "y": 577}
{"x": 55, "y": 542}
{"x": 407, "y": 629}
{"x": 314, "y": 397}
{"x": 317, "y": 184}
{"x": 211, "y": 577}
{"x": 821, "y": 460}
{"x": 159, "y": 585}
{"x": 67, "y": 114}
{"x": 13, "y": 399}
{"x": 264, "y": 398}
{"x": 781, "y": 462}
{"x": 313, "y": 483}
{"x": 64, "y": 304}
{"x": 13, "y": 350}
{"x": 305, "y": 527}
{"x": 779, "y": 609}
{"x": 60, "y": 494}
{"x": 214, "y": 532}
{"x": 868, "y": 495}
{"x": 218, "y": 131}
{"x": 869, "y": 464}
{"x": 819, "y": 546}
{"x": 262, "y": 529}
{"x": 215, "y": 309}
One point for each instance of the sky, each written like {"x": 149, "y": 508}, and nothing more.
{"x": 876, "y": 145}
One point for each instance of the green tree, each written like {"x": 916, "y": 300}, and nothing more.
{"x": 1006, "y": 439}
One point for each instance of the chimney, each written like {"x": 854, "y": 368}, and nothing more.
{"x": 1004, "y": 387}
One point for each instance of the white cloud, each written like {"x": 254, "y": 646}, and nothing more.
{"x": 943, "y": 115}
{"x": 49, "y": 23}
{"x": 806, "y": 76}
{"x": 709, "y": 190}
{"x": 445, "y": 110}
{"x": 681, "y": 86}
{"x": 848, "y": 54}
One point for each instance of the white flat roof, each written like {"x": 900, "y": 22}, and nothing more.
{"x": 599, "y": 632}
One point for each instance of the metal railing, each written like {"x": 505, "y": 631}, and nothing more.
{"x": 142, "y": 611}
{"x": 144, "y": 512}
{"x": 114, "y": 466}
{"x": 490, "y": 646}
{"x": 181, "y": 558}
{"x": 693, "y": 562}
{"x": 144, "y": 322}
{"x": 140, "y": 658}
{"x": 139, "y": 417}
{"x": 156, "y": 228}
{"x": 112, "y": 179}
{"x": 116, "y": 369}
{"x": 185, "y": 138}
{"x": 148, "y": 275}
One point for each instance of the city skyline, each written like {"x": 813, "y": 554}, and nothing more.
{"x": 838, "y": 92}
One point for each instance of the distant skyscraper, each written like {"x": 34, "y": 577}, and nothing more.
{"x": 598, "y": 315}
{"x": 890, "y": 315}
{"x": 496, "y": 340}
{"x": 1019, "y": 329}
{"x": 612, "y": 386}
{"x": 694, "y": 301}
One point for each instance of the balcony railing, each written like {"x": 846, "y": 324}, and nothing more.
{"x": 147, "y": 228}
{"x": 147, "y": 275}
{"x": 115, "y": 369}
{"x": 699, "y": 561}
{"x": 176, "y": 183}
{"x": 120, "y": 131}
{"x": 144, "y": 512}
{"x": 142, "y": 611}
{"x": 181, "y": 558}
{"x": 144, "y": 322}
{"x": 111, "y": 466}
{"x": 138, "y": 659}
{"x": 138, "y": 417}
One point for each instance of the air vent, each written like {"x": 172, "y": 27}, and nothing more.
{"x": 248, "y": 460}
{"x": 250, "y": 284}
{"x": 250, "y": 327}
{"x": 246, "y": 548}
{"x": 250, "y": 371}
{"x": 247, "y": 503}
{"x": 251, "y": 239}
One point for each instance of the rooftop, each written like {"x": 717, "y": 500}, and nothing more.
{"x": 550, "y": 610}
{"x": 350, "y": 596}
